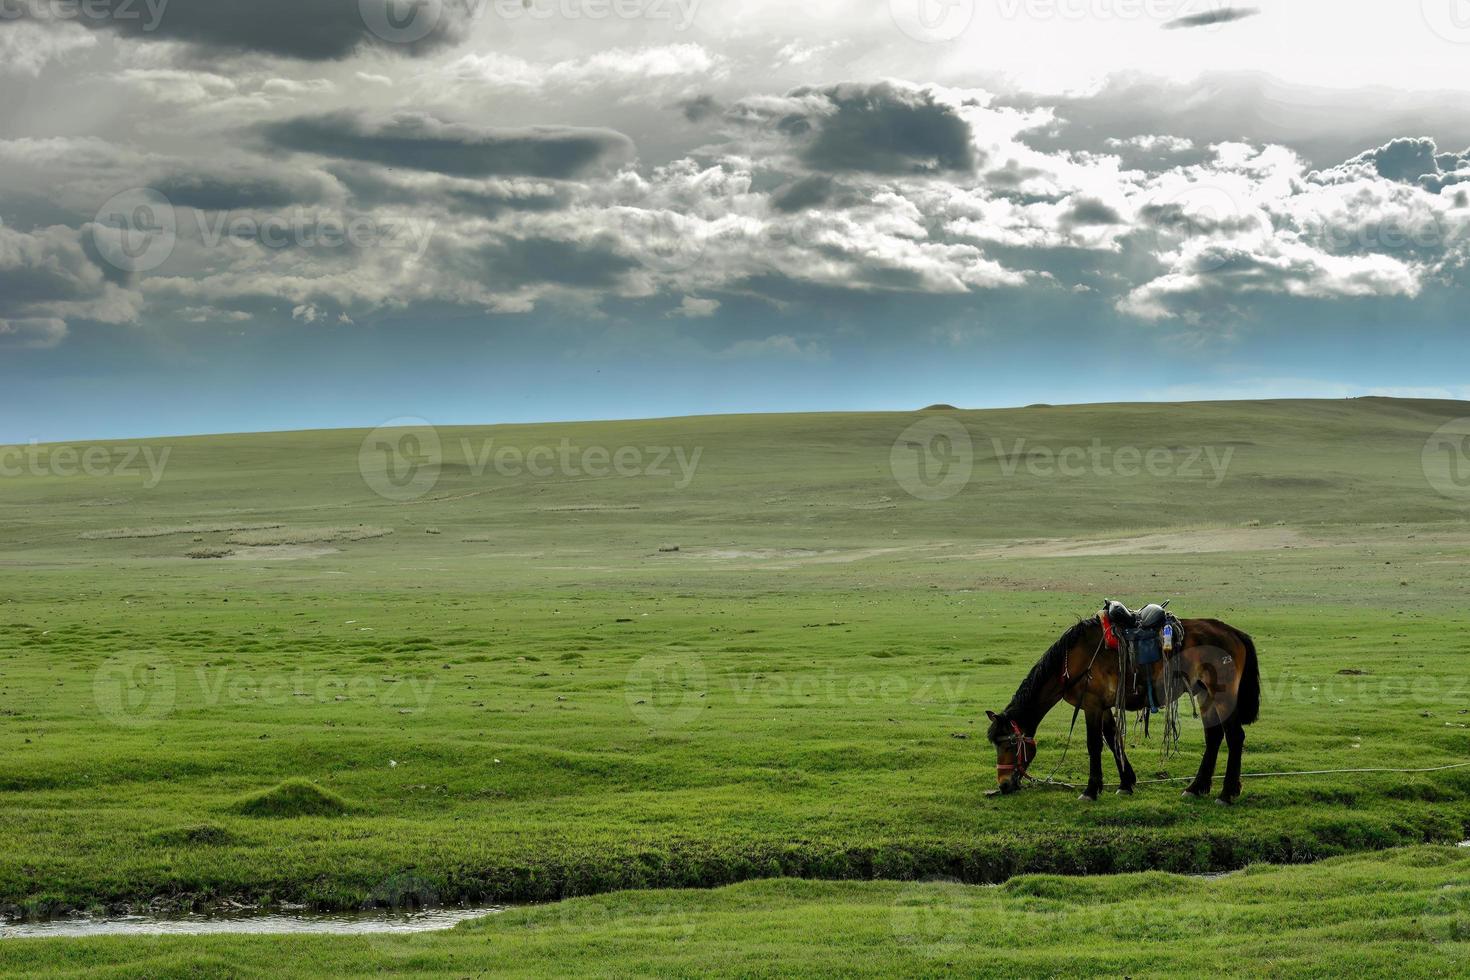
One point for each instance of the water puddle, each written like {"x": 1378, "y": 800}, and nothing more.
{"x": 332, "y": 923}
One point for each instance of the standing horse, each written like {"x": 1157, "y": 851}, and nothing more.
{"x": 1216, "y": 666}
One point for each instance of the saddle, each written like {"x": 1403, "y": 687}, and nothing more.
{"x": 1142, "y": 638}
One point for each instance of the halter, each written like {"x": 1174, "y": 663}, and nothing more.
{"x": 1022, "y": 743}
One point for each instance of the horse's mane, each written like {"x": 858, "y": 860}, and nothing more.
{"x": 1023, "y": 702}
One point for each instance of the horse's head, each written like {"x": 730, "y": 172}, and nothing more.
{"x": 1014, "y": 750}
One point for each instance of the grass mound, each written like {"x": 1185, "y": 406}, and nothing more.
{"x": 199, "y": 835}
{"x": 293, "y": 798}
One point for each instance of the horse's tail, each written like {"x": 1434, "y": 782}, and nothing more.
{"x": 1248, "y": 697}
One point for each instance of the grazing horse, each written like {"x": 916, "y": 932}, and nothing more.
{"x": 1216, "y": 665}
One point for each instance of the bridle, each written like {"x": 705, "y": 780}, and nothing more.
{"x": 1025, "y": 746}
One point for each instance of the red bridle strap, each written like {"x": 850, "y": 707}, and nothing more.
{"x": 1023, "y": 758}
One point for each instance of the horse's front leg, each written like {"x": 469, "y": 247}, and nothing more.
{"x": 1126, "y": 779}
{"x": 1214, "y": 733}
{"x": 1094, "y": 757}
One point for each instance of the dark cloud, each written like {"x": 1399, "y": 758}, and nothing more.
{"x": 419, "y": 141}
{"x": 310, "y": 30}
{"x": 699, "y": 108}
{"x": 372, "y": 187}
{"x": 1404, "y": 160}
{"x": 880, "y": 128}
{"x": 1089, "y": 211}
{"x": 1407, "y": 160}
{"x": 809, "y": 192}
{"x": 227, "y": 192}
{"x": 1222, "y": 16}
{"x": 514, "y": 262}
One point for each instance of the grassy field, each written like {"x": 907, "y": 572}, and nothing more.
{"x": 498, "y": 681}
{"x": 1399, "y": 913}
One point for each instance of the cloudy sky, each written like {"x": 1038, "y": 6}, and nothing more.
{"x": 223, "y": 215}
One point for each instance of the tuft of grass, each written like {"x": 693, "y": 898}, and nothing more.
{"x": 209, "y": 553}
{"x": 293, "y": 798}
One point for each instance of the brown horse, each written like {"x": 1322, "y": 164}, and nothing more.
{"x": 1216, "y": 665}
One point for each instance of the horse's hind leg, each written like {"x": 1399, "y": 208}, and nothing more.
{"x": 1235, "y": 739}
{"x": 1126, "y": 778}
{"x": 1214, "y": 733}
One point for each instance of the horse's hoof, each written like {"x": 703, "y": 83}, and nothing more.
{"x": 1087, "y": 798}
{"x": 1189, "y": 794}
{"x": 1125, "y": 790}
{"x": 1225, "y": 801}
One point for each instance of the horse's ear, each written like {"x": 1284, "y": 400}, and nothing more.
{"x": 990, "y": 715}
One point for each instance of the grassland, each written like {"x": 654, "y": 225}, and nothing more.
{"x": 1395, "y": 914}
{"x": 517, "y": 695}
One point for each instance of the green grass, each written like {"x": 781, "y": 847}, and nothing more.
{"x": 537, "y": 702}
{"x": 1396, "y": 914}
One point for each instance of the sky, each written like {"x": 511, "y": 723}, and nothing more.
{"x": 243, "y": 215}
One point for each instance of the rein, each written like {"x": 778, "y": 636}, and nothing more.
{"x": 1021, "y": 740}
